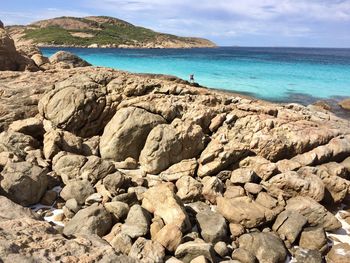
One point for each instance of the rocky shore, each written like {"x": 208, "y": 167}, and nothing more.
{"x": 148, "y": 168}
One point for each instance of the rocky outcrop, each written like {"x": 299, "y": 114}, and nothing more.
{"x": 64, "y": 59}
{"x": 162, "y": 170}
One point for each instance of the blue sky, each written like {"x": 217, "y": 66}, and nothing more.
{"x": 307, "y": 23}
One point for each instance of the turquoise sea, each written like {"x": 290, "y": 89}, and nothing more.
{"x": 301, "y": 75}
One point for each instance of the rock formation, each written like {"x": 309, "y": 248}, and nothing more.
{"x": 152, "y": 169}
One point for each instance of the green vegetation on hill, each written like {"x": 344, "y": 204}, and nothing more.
{"x": 100, "y": 31}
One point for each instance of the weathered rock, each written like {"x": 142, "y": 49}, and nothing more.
{"x": 188, "y": 189}
{"x": 169, "y": 237}
{"x": 192, "y": 249}
{"x": 243, "y": 255}
{"x": 10, "y": 58}
{"x": 77, "y": 189}
{"x": 161, "y": 201}
{"x": 242, "y": 176}
{"x": 69, "y": 59}
{"x": 221, "y": 249}
{"x": 266, "y": 247}
{"x": 233, "y": 191}
{"x": 78, "y": 105}
{"x": 236, "y": 230}
{"x": 113, "y": 182}
{"x": 118, "y": 209}
{"x": 212, "y": 225}
{"x": 31, "y": 126}
{"x": 262, "y": 167}
{"x": 137, "y": 223}
{"x": 313, "y": 238}
{"x": 10, "y": 210}
{"x": 345, "y": 104}
{"x": 178, "y": 170}
{"x": 307, "y": 256}
{"x": 23, "y": 182}
{"x": 147, "y": 251}
{"x": 17, "y": 143}
{"x": 40, "y": 60}
{"x": 244, "y": 211}
{"x": 252, "y": 188}
{"x": 339, "y": 253}
{"x": 169, "y": 144}
{"x": 71, "y": 166}
{"x": 212, "y": 188}
{"x": 94, "y": 219}
{"x": 291, "y": 184}
{"x": 289, "y": 225}
{"x": 315, "y": 213}
{"x": 126, "y": 133}
{"x": 122, "y": 243}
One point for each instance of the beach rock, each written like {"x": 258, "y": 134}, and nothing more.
{"x": 266, "y": 247}
{"x": 307, "y": 256}
{"x": 10, "y": 210}
{"x": 137, "y": 223}
{"x": 40, "y": 60}
{"x": 345, "y": 104}
{"x": 94, "y": 219}
{"x": 212, "y": 226}
{"x": 244, "y": 256}
{"x": 188, "y": 189}
{"x": 122, "y": 243}
{"x": 72, "y": 166}
{"x": 119, "y": 210}
{"x": 78, "y": 105}
{"x": 169, "y": 237}
{"x": 233, "y": 191}
{"x": 221, "y": 249}
{"x": 212, "y": 188}
{"x": 339, "y": 253}
{"x": 17, "y": 143}
{"x": 192, "y": 249}
{"x": 169, "y": 144}
{"x": 23, "y": 182}
{"x": 178, "y": 170}
{"x": 31, "y": 126}
{"x": 77, "y": 189}
{"x": 113, "y": 182}
{"x": 252, "y": 188}
{"x": 10, "y": 58}
{"x": 72, "y": 205}
{"x": 291, "y": 184}
{"x": 263, "y": 168}
{"x": 49, "y": 198}
{"x": 313, "y": 238}
{"x": 126, "y": 133}
{"x": 289, "y": 225}
{"x": 244, "y": 211}
{"x": 161, "y": 201}
{"x": 315, "y": 213}
{"x": 69, "y": 59}
{"x": 147, "y": 251}
{"x": 242, "y": 176}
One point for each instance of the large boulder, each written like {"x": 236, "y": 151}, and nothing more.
{"x": 79, "y": 105}
{"x": 23, "y": 182}
{"x": 315, "y": 213}
{"x": 266, "y": 247}
{"x": 94, "y": 219}
{"x": 126, "y": 133}
{"x": 169, "y": 144}
{"x": 244, "y": 211}
{"x": 10, "y": 58}
{"x": 68, "y": 60}
{"x": 161, "y": 201}
{"x": 291, "y": 184}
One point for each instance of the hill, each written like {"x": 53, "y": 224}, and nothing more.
{"x": 100, "y": 31}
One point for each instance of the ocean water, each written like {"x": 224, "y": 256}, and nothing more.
{"x": 301, "y": 75}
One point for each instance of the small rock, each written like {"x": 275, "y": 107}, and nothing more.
{"x": 213, "y": 227}
{"x": 192, "y": 249}
{"x": 77, "y": 189}
{"x": 156, "y": 226}
{"x": 169, "y": 237}
{"x": 113, "y": 182}
{"x": 122, "y": 243}
{"x": 94, "y": 198}
{"x": 243, "y": 256}
{"x": 72, "y": 205}
{"x": 137, "y": 222}
{"x": 313, "y": 238}
{"x": 212, "y": 188}
{"x": 189, "y": 189}
{"x": 339, "y": 253}
{"x": 221, "y": 249}
{"x": 147, "y": 251}
{"x": 302, "y": 255}
{"x": 242, "y": 176}
{"x": 199, "y": 259}
{"x": 49, "y": 198}
{"x": 253, "y": 188}
{"x": 118, "y": 209}
{"x": 236, "y": 230}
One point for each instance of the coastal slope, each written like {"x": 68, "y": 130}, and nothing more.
{"x": 100, "y": 31}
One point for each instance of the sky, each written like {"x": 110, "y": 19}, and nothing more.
{"x": 292, "y": 23}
